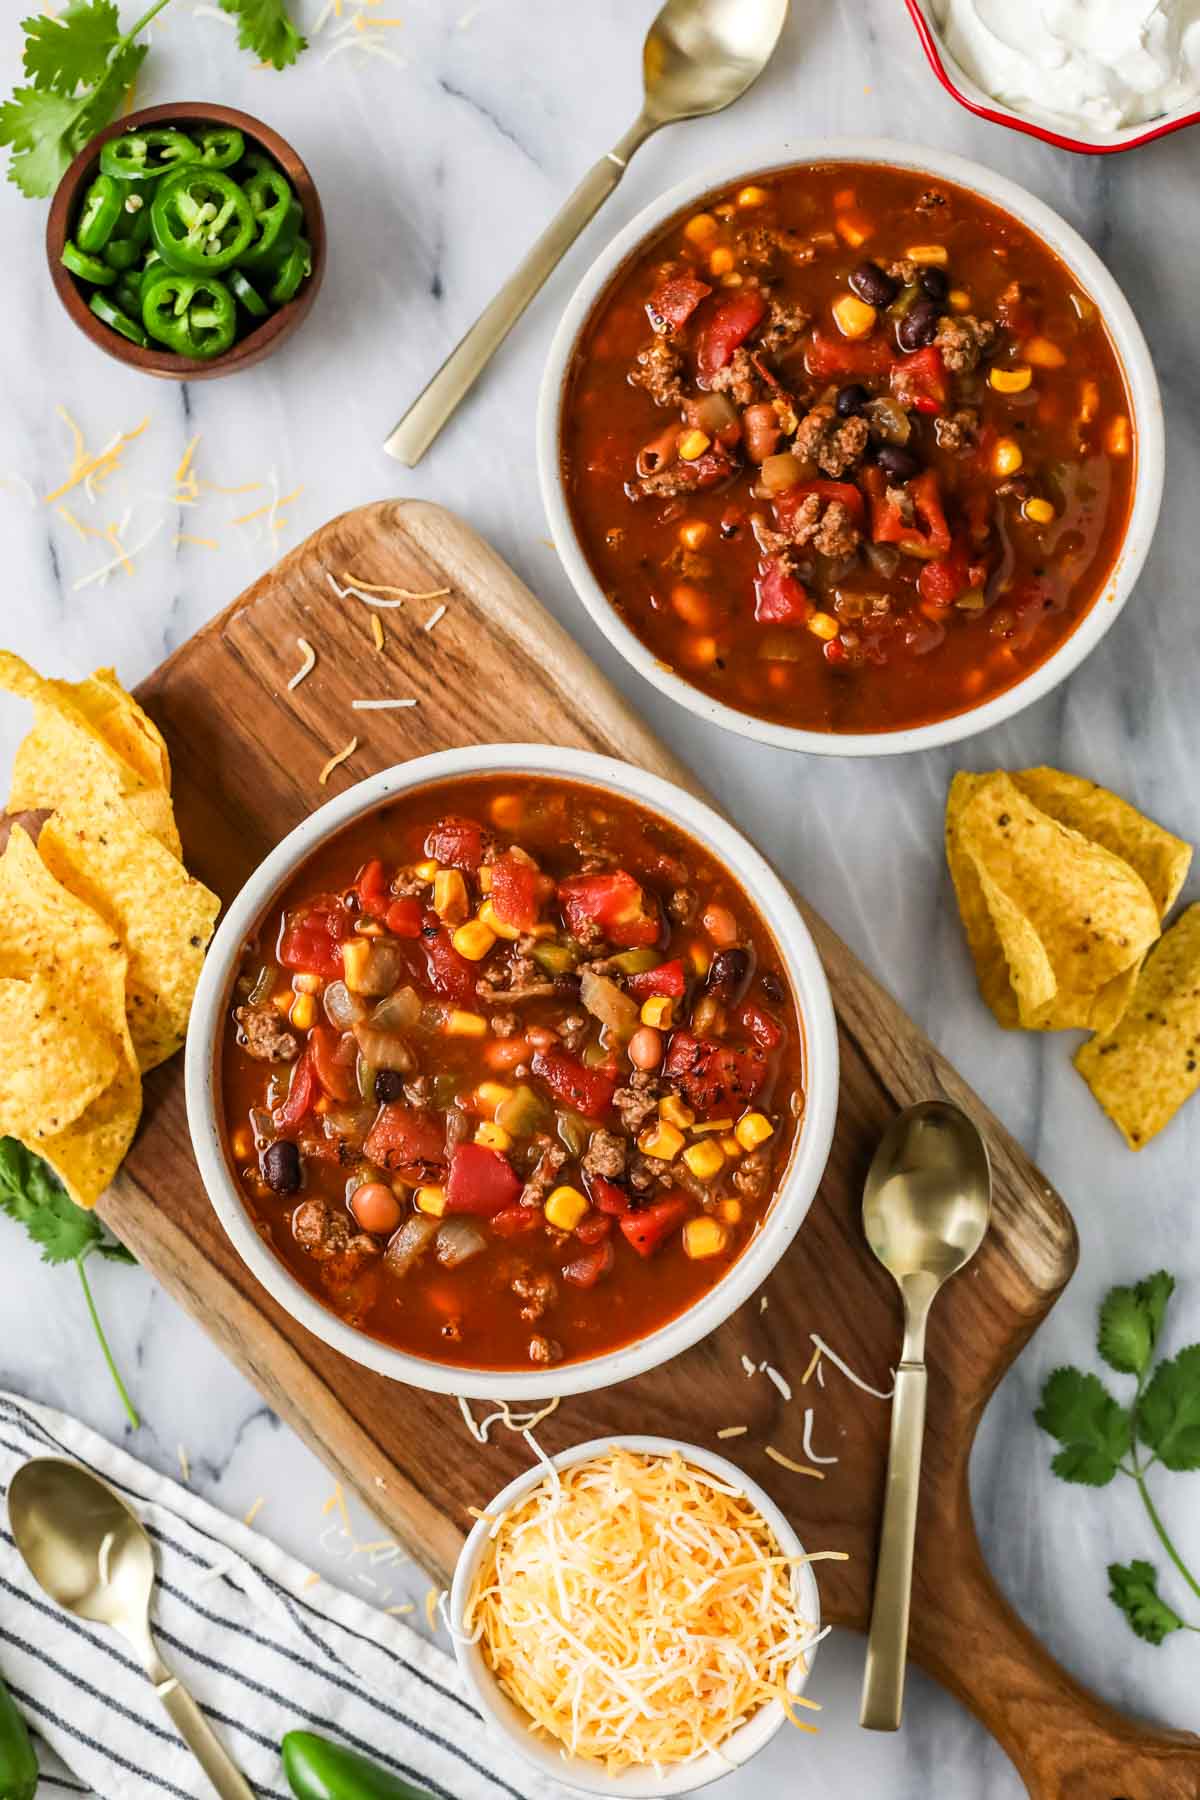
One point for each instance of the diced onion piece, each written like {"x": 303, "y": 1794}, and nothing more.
{"x": 399, "y": 1011}
{"x": 410, "y": 1242}
{"x": 384, "y": 1050}
{"x": 608, "y": 1003}
{"x": 458, "y": 1240}
{"x": 342, "y": 1008}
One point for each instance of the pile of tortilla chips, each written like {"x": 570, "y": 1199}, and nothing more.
{"x": 102, "y": 929}
{"x": 1063, "y": 888}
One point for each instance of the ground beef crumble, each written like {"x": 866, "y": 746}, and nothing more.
{"x": 963, "y": 340}
{"x": 835, "y": 446}
{"x": 658, "y": 368}
{"x": 739, "y": 378}
{"x": 263, "y": 1035}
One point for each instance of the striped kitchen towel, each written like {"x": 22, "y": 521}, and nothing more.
{"x": 263, "y": 1650}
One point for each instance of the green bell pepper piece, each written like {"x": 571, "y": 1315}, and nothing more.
{"x": 201, "y": 221}
{"x": 220, "y": 146}
{"x": 116, "y": 318}
{"x": 145, "y": 155}
{"x": 635, "y": 962}
{"x": 553, "y": 957}
{"x": 100, "y": 213}
{"x": 87, "y": 268}
{"x": 194, "y": 315}
{"x": 18, "y": 1764}
{"x": 523, "y": 1113}
{"x": 319, "y": 1770}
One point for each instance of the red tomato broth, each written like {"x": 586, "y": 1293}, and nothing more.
{"x": 470, "y": 1315}
{"x": 687, "y": 571}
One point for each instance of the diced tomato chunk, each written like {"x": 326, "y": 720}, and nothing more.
{"x": 373, "y": 890}
{"x": 942, "y": 581}
{"x": 456, "y": 843}
{"x": 302, "y": 1092}
{"x": 780, "y": 598}
{"x": 313, "y": 942}
{"x": 587, "y": 1091}
{"x": 590, "y": 1266}
{"x": 515, "y": 1221}
{"x": 594, "y": 1227}
{"x": 607, "y": 1197}
{"x": 762, "y": 1026}
{"x": 403, "y": 917}
{"x": 514, "y": 892}
{"x": 333, "y": 1072}
{"x": 481, "y": 1181}
{"x": 402, "y": 1137}
{"x": 668, "y": 979}
{"x": 920, "y": 380}
{"x": 788, "y": 504}
{"x": 729, "y": 326}
{"x": 715, "y": 1078}
{"x": 450, "y": 974}
{"x": 828, "y": 357}
{"x": 927, "y": 534}
{"x": 612, "y": 901}
{"x": 649, "y": 1230}
{"x": 676, "y": 299}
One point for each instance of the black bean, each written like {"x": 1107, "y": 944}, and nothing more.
{"x": 389, "y": 1085}
{"x": 919, "y": 325}
{"x": 281, "y": 1166}
{"x": 871, "y": 284}
{"x": 935, "y": 283}
{"x": 897, "y": 464}
{"x": 771, "y": 985}
{"x": 728, "y": 971}
{"x": 851, "y": 400}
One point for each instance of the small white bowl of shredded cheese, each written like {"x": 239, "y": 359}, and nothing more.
{"x": 636, "y": 1617}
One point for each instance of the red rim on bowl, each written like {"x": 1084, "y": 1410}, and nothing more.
{"x": 932, "y": 45}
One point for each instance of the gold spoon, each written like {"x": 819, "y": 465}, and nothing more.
{"x": 91, "y": 1554}
{"x": 926, "y": 1206}
{"x": 699, "y": 56}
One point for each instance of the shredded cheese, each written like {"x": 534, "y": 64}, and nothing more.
{"x": 88, "y": 468}
{"x": 808, "y": 1449}
{"x": 728, "y": 1431}
{"x": 824, "y": 1350}
{"x": 639, "y": 1611}
{"x": 185, "y": 1467}
{"x": 380, "y": 705}
{"x": 785, "y": 1462}
{"x": 812, "y": 1368}
{"x": 307, "y": 665}
{"x": 439, "y": 612}
{"x": 512, "y": 1421}
{"x": 406, "y": 1606}
{"x": 335, "y": 761}
{"x": 377, "y": 630}
{"x": 773, "y": 1375}
{"x": 254, "y": 1510}
{"x": 400, "y": 593}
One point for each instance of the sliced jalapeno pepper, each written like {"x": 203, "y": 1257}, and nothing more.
{"x": 194, "y": 315}
{"x": 117, "y": 318}
{"x": 121, "y": 253}
{"x": 293, "y": 272}
{"x": 278, "y": 217}
{"x": 18, "y": 1764}
{"x": 318, "y": 1769}
{"x": 220, "y": 146}
{"x": 200, "y": 219}
{"x": 128, "y": 293}
{"x": 100, "y": 214}
{"x": 132, "y": 233}
{"x": 145, "y": 155}
{"x": 88, "y": 268}
{"x": 248, "y": 294}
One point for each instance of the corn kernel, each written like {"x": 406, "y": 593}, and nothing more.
{"x": 928, "y": 253}
{"x": 304, "y": 1012}
{"x": 493, "y": 1136}
{"x": 851, "y": 231}
{"x": 733, "y": 279}
{"x": 705, "y": 1160}
{"x": 731, "y": 1211}
{"x": 242, "y": 1144}
{"x": 699, "y": 229}
{"x": 1010, "y": 381}
{"x": 464, "y": 1024}
{"x": 356, "y": 954}
{"x": 1089, "y": 402}
{"x": 485, "y": 878}
{"x": 704, "y": 1237}
{"x": 753, "y": 1129}
{"x": 431, "y": 1200}
{"x": 853, "y": 317}
{"x": 960, "y": 300}
{"x": 1044, "y": 354}
{"x": 672, "y": 1109}
{"x": 1007, "y": 456}
{"x": 450, "y": 901}
{"x": 659, "y": 1011}
{"x": 724, "y": 211}
{"x": 565, "y": 1207}
{"x": 491, "y": 1094}
{"x": 699, "y": 650}
{"x": 473, "y": 940}
{"x": 713, "y": 1125}
{"x": 692, "y": 533}
{"x": 662, "y": 1140}
{"x": 507, "y": 811}
{"x": 307, "y": 984}
{"x": 369, "y": 928}
{"x": 823, "y": 625}
{"x": 721, "y": 261}
{"x": 752, "y": 196}
{"x": 487, "y": 916}
{"x": 1039, "y": 511}
{"x": 1116, "y": 438}
{"x": 693, "y": 444}
{"x": 700, "y": 957}
{"x": 425, "y": 871}
{"x": 731, "y": 1147}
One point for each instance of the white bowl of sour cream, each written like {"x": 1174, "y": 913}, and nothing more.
{"x": 1090, "y": 75}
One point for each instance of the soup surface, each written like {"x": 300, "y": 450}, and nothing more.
{"x": 511, "y": 1072}
{"x": 848, "y": 448}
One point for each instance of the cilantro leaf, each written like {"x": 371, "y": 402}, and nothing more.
{"x": 1130, "y": 1321}
{"x": 1169, "y": 1411}
{"x": 1093, "y": 1429}
{"x": 265, "y": 28}
{"x": 47, "y": 130}
{"x": 32, "y": 1194}
{"x": 71, "y": 50}
{"x": 1134, "y": 1588}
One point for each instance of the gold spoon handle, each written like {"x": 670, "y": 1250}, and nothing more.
{"x": 199, "y": 1737}
{"x": 887, "y": 1640}
{"x": 462, "y": 368}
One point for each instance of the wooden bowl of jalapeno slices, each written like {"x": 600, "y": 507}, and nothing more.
{"x": 187, "y": 240}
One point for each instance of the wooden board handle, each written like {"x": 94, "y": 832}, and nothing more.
{"x": 1066, "y": 1743}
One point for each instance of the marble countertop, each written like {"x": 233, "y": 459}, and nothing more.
{"x": 437, "y": 167}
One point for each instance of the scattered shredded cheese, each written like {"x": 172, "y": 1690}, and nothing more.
{"x": 512, "y": 1421}
{"x": 785, "y": 1462}
{"x": 353, "y": 593}
{"x": 185, "y": 1467}
{"x": 91, "y": 468}
{"x": 750, "y": 1367}
{"x": 431, "y": 1606}
{"x": 728, "y": 1431}
{"x": 638, "y": 1610}
{"x": 824, "y": 1350}
{"x": 201, "y": 543}
{"x": 379, "y": 705}
{"x": 406, "y": 1606}
{"x": 308, "y": 664}
{"x": 808, "y": 1449}
{"x": 811, "y": 1370}
{"x": 377, "y": 630}
{"x": 311, "y": 1579}
{"x": 439, "y": 612}
{"x": 764, "y": 1368}
{"x": 254, "y": 1510}
{"x": 123, "y": 558}
{"x": 400, "y": 593}
{"x": 336, "y": 760}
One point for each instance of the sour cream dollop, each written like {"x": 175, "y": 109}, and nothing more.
{"x": 1100, "y": 64}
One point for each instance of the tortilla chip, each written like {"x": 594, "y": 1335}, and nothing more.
{"x": 163, "y": 916}
{"x": 983, "y": 940}
{"x": 1158, "y": 856}
{"x": 129, "y": 730}
{"x": 87, "y": 1155}
{"x": 1142, "y": 1072}
{"x": 53, "y": 1061}
{"x": 1092, "y": 914}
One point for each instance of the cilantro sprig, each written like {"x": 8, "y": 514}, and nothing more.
{"x": 32, "y": 1194}
{"x": 80, "y": 64}
{"x": 1101, "y": 1439}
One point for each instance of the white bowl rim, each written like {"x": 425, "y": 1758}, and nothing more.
{"x": 809, "y": 1155}
{"x": 500, "y": 1713}
{"x": 1132, "y": 353}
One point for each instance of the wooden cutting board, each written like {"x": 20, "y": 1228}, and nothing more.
{"x": 246, "y": 754}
